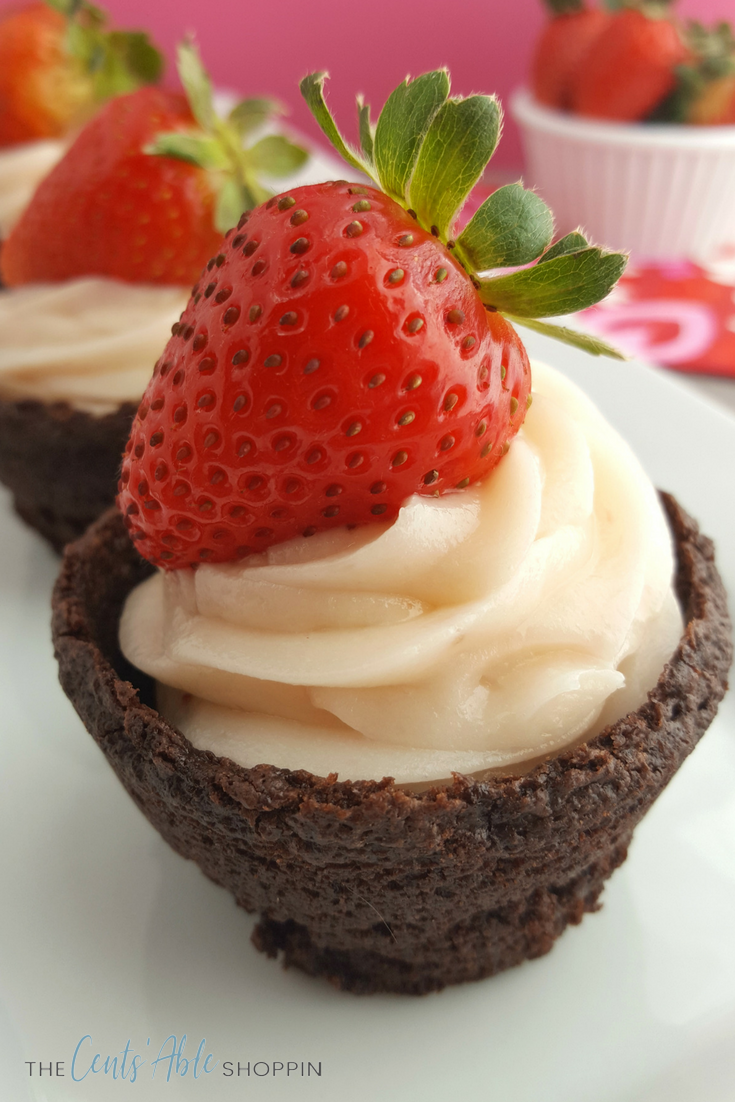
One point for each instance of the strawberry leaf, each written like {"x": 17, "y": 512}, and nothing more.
{"x": 194, "y": 148}
{"x": 703, "y": 91}
{"x": 560, "y": 286}
{"x": 312, "y": 89}
{"x": 233, "y": 198}
{"x": 138, "y": 54}
{"x": 402, "y": 127}
{"x": 71, "y": 8}
{"x": 586, "y": 341}
{"x": 572, "y": 243}
{"x": 218, "y": 146}
{"x": 512, "y": 227}
{"x": 197, "y": 84}
{"x": 250, "y": 114}
{"x": 365, "y": 128}
{"x": 116, "y": 61}
{"x": 459, "y": 143}
{"x": 124, "y": 63}
{"x": 275, "y": 155}
{"x": 229, "y": 205}
{"x": 436, "y": 149}
{"x": 565, "y": 7}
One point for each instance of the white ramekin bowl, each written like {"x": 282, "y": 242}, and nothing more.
{"x": 660, "y": 191}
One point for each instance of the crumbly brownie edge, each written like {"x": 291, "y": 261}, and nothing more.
{"x": 61, "y": 464}
{"x": 376, "y": 888}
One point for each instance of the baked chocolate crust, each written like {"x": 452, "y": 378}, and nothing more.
{"x": 375, "y": 887}
{"x": 61, "y": 464}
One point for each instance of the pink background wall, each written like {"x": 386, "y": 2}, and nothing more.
{"x": 367, "y": 47}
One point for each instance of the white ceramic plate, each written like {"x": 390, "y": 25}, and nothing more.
{"x": 106, "y": 933}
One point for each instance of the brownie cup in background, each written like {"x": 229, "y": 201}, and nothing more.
{"x": 61, "y": 464}
{"x": 75, "y": 358}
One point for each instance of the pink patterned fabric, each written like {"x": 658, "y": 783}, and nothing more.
{"x": 678, "y": 315}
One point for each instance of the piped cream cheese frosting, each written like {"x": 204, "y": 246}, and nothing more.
{"x": 22, "y": 167}
{"x": 480, "y": 630}
{"x": 91, "y": 342}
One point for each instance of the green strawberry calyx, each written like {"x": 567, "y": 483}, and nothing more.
{"x": 427, "y": 151}
{"x": 652, "y": 9}
{"x": 116, "y": 62}
{"x": 565, "y": 7}
{"x": 218, "y": 144}
{"x": 712, "y": 60}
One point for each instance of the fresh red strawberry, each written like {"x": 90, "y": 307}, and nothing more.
{"x": 110, "y": 208}
{"x": 57, "y": 61}
{"x": 335, "y": 360}
{"x": 630, "y": 67}
{"x": 561, "y": 47}
{"x": 339, "y": 352}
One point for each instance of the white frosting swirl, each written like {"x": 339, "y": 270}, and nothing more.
{"x": 482, "y": 628}
{"x": 91, "y": 342}
{"x": 22, "y": 167}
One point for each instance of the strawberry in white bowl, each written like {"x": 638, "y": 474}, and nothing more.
{"x": 629, "y": 127}
{"x": 397, "y": 680}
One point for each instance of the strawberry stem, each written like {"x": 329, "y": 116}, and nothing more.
{"x": 428, "y": 150}
{"x": 218, "y": 145}
{"x": 565, "y": 7}
{"x": 116, "y": 61}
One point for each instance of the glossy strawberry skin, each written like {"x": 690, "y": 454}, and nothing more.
{"x": 110, "y": 209}
{"x": 560, "y": 49}
{"x": 42, "y": 89}
{"x": 629, "y": 68}
{"x": 308, "y": 385}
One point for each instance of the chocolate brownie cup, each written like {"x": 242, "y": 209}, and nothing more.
{"x": 61, "y": 464}
{"x": 74, "y": 358}
{"x": 374, "y": 885}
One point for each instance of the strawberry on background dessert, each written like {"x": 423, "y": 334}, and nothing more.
{"x": 381, "y": 565}
{"x": 58, "y": 63}
{"x": 99, "y": 268}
